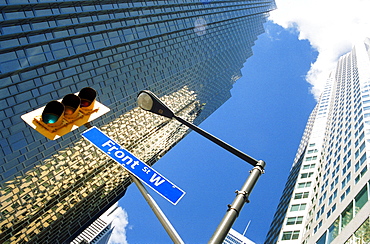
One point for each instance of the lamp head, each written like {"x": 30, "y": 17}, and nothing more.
{"x": 148, "y": 101}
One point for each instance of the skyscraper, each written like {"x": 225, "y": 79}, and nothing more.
{"x": 234, "y": 237}
{"x": 188, "y": 52}
{"x": 99, "y": 231}
{"x": 326, "y": 197}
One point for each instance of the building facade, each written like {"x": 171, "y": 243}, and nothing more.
{"x": 99, "y": 231}
{"x": 187, "y": 52}
{"x": 326, "y": 197}
{"x": 234, "y": 237}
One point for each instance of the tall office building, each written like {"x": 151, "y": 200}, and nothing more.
{"x": 234, "y": 237}
{"x": 99, "y": 231}
{"x": 326, "y": 197}
{"x": 187, "y": 52}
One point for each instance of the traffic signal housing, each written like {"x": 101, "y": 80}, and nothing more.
{"x": 60, "y": 117}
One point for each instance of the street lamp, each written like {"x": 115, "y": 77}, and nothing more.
{"x": 148, "y": 101}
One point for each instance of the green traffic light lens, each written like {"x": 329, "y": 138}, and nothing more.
{"x": 50, "y": 118}
{"x": 52, "y": 113}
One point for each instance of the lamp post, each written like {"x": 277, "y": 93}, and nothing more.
{"x": 158, "y": 212}
{"x": 150, "y": 102}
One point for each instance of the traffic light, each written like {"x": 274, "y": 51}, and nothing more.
{"x": 53, "y": 113}
{"x": 60, "y": 117}
{"x": 87, "y": 96}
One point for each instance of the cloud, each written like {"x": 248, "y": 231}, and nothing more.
{"x": 331, "y": 26}
{"x": 119, "y": 220}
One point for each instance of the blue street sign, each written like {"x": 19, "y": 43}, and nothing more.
{"x": 145, "y": 173}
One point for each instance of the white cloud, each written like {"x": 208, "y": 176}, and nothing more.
{"x": 331, "y": 26}
{"x": 119, "y": 220}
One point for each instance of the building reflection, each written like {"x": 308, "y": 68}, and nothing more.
{"x": 77, "y": 182}
{"x": 189, "y": 53}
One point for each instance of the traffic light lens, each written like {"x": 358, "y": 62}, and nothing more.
{"x": 69, "y": 110}
{"x": 53, "y": 113}
{"x": 85, "y": 103}
{"x": 50, "y": 118}
{"x": 87, "y": 96}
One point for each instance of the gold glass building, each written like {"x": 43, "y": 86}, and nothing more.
{"x": 187, "y": 52}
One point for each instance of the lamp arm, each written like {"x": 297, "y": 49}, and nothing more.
{"x": 219, "y": 142}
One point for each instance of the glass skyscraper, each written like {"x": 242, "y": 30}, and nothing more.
{"x": 187, "y": 52}
{"x": 326, "y": 197}
{"x": 234, "y": 237}
{"x": 99, "y": 231}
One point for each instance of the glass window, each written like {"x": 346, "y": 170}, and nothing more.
{"x": 295, "y": 235}
{"x": 360, "y": 162}
{"x": 336, "y": 180}
{"x": 286, "y": 235}
{"x": 299, "y": 220}
{"x": 347, "y": 215}
{"x": 335, "y": 193}
{"x": 301, "y": 195}
{"x": 322, "y": 239}
{"x": 290, "y": 235}
{"x": 363, "y": 233}
{"x": 312, "y": 151}
{"x": 357, "y": 179}
{"x": 294, "y": 220}
{"x": 333, "y": 231}
{"x": 8, "y": 56}
{"x": 291, "y": 221}
{"x": 343, "y": 196}
{"x": 298, "y": 207}
{"x": 304, "y": 184}
{"x": 328, "y": 213}
{"x": 306, "y": 175}
{"x": 294, "y": 208}
{"x": 346, "y": 180}
{"x": 308, "y": 166}
{"x": 361, "y": 199}
{"x": 298, "y": 195}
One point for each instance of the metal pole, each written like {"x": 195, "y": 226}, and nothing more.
{"x": 219, "y": 142}
{"x": 158, "y": 212}
{"x": 239, "y": 201}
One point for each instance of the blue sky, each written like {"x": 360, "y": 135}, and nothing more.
{"x": 265, "y": 118}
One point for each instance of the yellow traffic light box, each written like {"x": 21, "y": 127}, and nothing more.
{"x": 58, "y": 118}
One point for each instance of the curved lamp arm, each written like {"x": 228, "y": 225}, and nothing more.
{"x": 148, "y": 101}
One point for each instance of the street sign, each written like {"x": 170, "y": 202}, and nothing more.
{"x": 142, "y": 171}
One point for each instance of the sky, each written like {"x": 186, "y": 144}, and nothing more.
{"x": 265, "y": 118}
